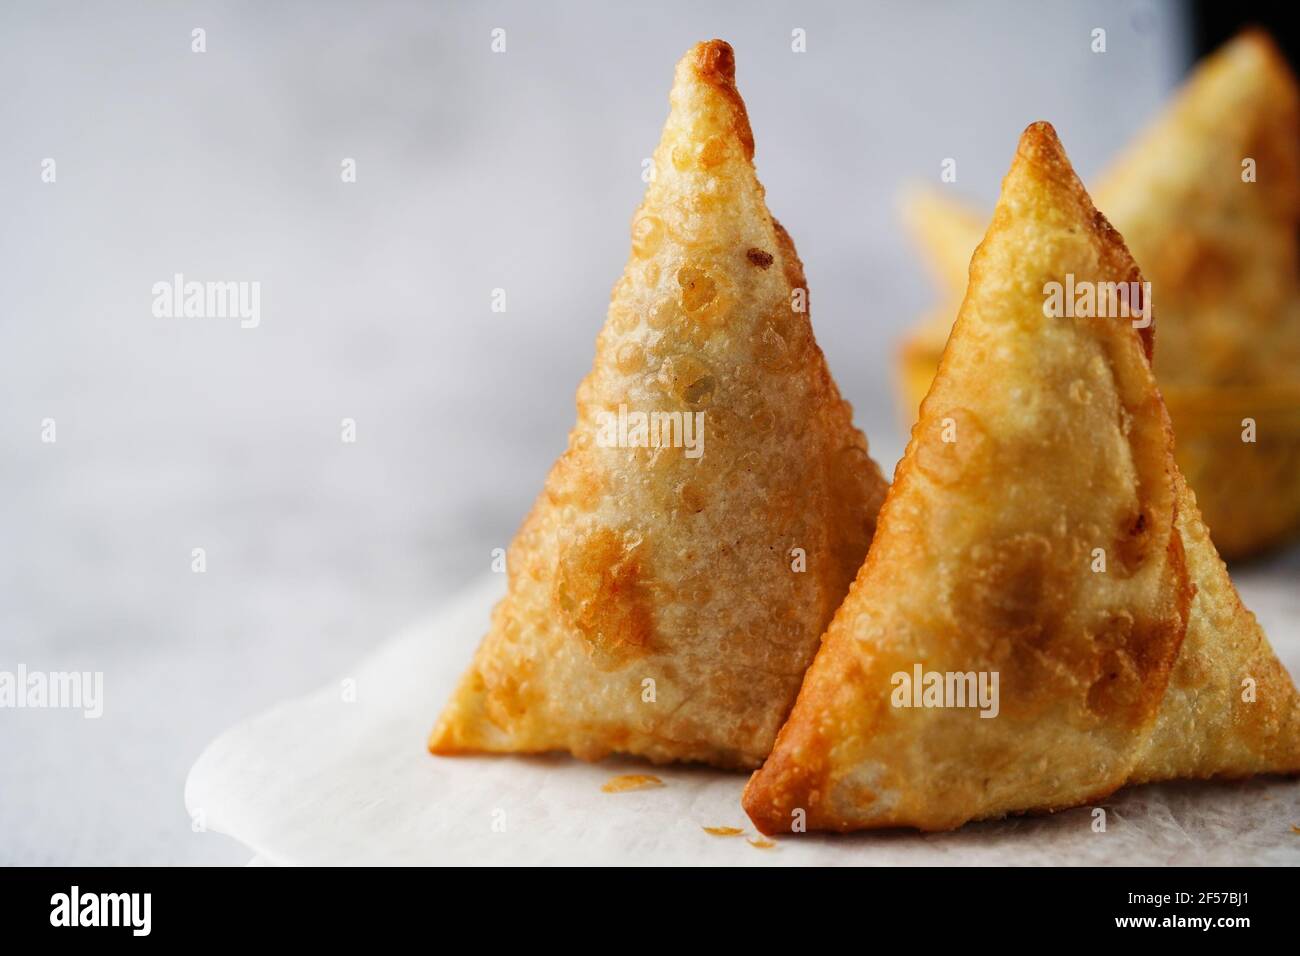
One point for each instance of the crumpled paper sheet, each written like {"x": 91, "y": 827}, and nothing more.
{"x": 323, "y": 781}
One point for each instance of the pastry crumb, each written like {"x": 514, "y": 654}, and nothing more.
{"x": 631, "y": 781}
{"x": 723, "y": 831}
{"x": 761, "y": 844}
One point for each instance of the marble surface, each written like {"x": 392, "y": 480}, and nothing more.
{"x": 475, "y": 171}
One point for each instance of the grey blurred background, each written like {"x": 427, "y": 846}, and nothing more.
{"x": 475, "y": 170}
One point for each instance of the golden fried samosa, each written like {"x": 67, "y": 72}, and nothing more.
{"x": 1231, "y": 709}
{"x": 664, "y": 602}
{"x": 1208, "y": 200}
{"x": 1007, "y": 643}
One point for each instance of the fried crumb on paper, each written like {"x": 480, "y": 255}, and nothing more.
{"x": 723, "y": 831}
{"x": 631, "y": 781}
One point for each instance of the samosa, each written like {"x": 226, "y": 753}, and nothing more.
{"x": 665, "y": 596}
{"x": 1231, "y": 709}
{"x": 1038, "y": 542}
{"x": 1208, "y": 200}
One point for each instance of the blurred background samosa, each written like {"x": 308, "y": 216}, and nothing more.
{"x": 1208, "y": 200}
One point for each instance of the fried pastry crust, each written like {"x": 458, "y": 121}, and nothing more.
{"x": 1231, "y": 709}
{"x": 1217, "y": 240}
{"x": 1208, "y": 200}
{"x": 655, "y": 606}
{"x": 1216, "y": 237}
{"x": 1042, "y": 440}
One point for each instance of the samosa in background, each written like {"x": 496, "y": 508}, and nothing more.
{"x": 1009, "y": 643}
{"x": 1231, "y": 709}
{"x": 1208, "y": 200}
{"x": 665, "y": 597}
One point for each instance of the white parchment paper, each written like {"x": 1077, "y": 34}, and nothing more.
{"x": 325, "y": 780}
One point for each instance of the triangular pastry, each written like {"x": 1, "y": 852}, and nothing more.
{"x": 1231, "y": 709}
{"x": 1208, "y": 200}
{"x": 1042, "y": 447}
{"x": 662, "y": 602}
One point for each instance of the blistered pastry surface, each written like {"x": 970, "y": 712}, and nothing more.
{"x": 1042, "y": 439}
{"x": 658, "y": 604}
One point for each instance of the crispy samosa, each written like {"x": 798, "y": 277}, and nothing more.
{"x": 1231, "y": 709}
{"x": 662, "y": 602}
{"x": 1014, "y": 605}
{"x": 1208, "y": 200}
{"x": 1008, "y": 641}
